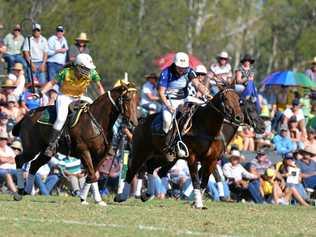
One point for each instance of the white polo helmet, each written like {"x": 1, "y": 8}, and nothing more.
{"x": 85, "y": 60}
{"x": 181, "y": 60}
{"x": 201, "y": 69}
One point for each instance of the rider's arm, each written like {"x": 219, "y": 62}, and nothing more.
{"x": 161, "y": 92}
{"x": 239, "y": 79}
{"x": 100, "y": 88}
{"x": 200, "y": 87}
{"x": 49, "y": 85}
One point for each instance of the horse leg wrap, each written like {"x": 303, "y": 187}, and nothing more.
{"x": 84, "y": 191}
{"x": 20, "y": 179}
{"x": 96, "y": 192}
{"x": 151, "y": 185}
{"x": 139, "y": 187}
{"x": 29, "y": 183}
{"x": 220, "y": 187}
{"x": 198, "y": 198}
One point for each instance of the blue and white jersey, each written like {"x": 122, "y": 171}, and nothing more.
{"x": 176, "y": 86}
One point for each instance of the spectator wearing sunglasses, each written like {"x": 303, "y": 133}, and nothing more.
{"x": 57, "y": 52}
{"x": 13, "y": 43}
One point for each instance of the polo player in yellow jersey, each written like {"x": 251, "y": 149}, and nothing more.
{"x": 73, "y": 82}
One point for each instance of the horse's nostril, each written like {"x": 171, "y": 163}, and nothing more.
{"x": 238, "y": 118}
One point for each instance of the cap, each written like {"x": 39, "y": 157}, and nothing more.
{"x": 3, "y": 135}
{"x": 3, "y": 116}
{"x": 60, "y": 28}
{"x": 36, "y": 26}
{"x": 17, "y": 145}
{"x": 289, "y": 156}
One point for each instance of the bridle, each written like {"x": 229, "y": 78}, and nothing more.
{"x": 226, "y": 111}
{"x": 119, "y": 103}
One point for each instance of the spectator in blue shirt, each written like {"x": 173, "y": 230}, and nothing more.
{"x": 308, "y": 166}
{"x": 282, "y": 141}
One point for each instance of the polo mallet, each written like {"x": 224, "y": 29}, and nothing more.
{"x": 182, "y": 149}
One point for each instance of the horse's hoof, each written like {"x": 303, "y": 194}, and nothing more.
{"x": 119, "y": 198}
{"x": 201, "y": 207}
{"x": 17, "y": 197}
{"x": 102, "y": 204}
{"x": 84, "y": 202}
{"x": 146, "y": 197}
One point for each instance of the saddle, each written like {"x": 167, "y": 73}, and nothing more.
{"x": 184, "y": 116}
{"x": 75, "y": 109}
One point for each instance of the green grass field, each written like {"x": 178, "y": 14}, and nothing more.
{"x": 65, "y": 216}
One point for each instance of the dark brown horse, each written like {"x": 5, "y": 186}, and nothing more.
{"x": 206, "y": 126}
{"x": 90, "y": 137}
{"x": 229, "y": 129}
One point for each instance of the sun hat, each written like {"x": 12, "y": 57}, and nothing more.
{"x": 270, "y": 173}
{"x": 18, "y": 66}
{"x": 313, "y": 62}
{"x": 201, "y": 69}
{"x": 235, "y": 154}
{"x": 309, "y": 150}
{"x": 9, "y": 84}
{"x": 223, "y": 54}
{"x": 17, "y": 145}
{"x": 3, "y": 135}
{"x": 248, "y": 58}
{"x": 151, "y": 75}
{"x": 82, "y": 37}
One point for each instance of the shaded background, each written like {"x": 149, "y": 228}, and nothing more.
{"x": 128, "y": 35}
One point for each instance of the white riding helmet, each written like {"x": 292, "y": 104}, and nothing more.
{"x": 85, "y": 60}
{"x": 201, "y": 69}
{"x": 181, "y": 60}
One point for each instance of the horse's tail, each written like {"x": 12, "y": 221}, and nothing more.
{"x": 17, "y": 127}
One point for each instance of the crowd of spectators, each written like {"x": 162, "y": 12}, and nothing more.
{"x": 290, "y": 131}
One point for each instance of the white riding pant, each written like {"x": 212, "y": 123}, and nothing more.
{"x": 168, "y": 116}
{"x": 62, "y": 104}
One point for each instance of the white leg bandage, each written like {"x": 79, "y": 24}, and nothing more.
{"x": 139, "y": 187}
{"x": 198, "y": 198}
{"x": 84, "y": 191}
{"x": 96, "y": 192}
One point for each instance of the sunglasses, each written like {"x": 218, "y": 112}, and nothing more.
{"x": 36, "y": 30}
{"x": 17, "y": 30}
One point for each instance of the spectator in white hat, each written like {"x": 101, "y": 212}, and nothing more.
{"x": 36, "y": 53}
{"x": 220, "y": 72}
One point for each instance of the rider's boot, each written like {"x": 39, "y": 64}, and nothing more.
{"x": 52, "y": 143}
{"x": 167, "y": 150}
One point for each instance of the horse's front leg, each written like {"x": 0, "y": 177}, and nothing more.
{"x": 209, "y": 164}
{"x": 192, "y": 163}
{"x": 91, "y": 181}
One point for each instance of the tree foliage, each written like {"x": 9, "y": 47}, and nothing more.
{"x": 126, "y": 36}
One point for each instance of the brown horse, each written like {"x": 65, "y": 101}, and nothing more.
{"x": 206, "y": 126}
{"x": 228, "y": 131}
{"x": 90, "y": 137}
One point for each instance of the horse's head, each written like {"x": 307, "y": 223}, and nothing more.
{"x": 251, "y": 115}
{"x": 126, "y": 100}
{"x": 227, "y": 102}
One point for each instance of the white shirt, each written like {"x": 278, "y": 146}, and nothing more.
{"x": 236, "y": 172}
{"x": 38, "y": 48}
{"x": 221, "y": 71}
{"x": 54, "y": 44}
{"x": 289, "y": 113}
{"x": 147, "y": 88}
{"x": 7, "y": 152}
